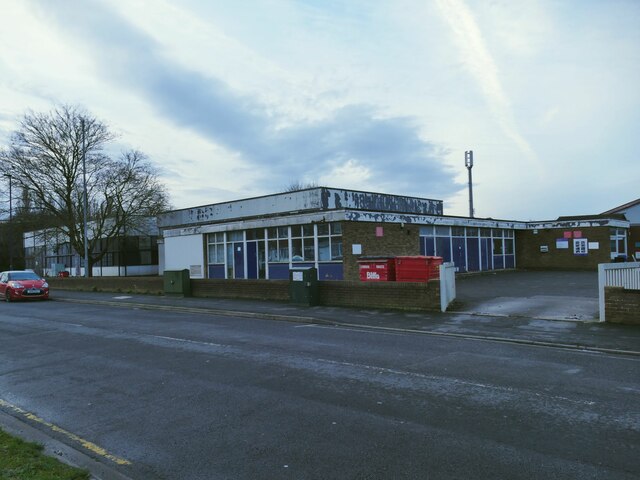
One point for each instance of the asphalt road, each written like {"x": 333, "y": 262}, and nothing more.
{"x": 187, "y": 396}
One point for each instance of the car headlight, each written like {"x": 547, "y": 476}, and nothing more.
{"x": 45, "y": 285}
{"x": 16, "y": 285}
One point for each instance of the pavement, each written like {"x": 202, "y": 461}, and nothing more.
{"x": 465, "y": 322}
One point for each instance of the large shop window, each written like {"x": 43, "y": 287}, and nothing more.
{"x": 470, "y": 248}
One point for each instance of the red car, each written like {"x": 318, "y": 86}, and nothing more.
{"x": 22, "y": 284}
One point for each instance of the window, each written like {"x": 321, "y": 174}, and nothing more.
{"x": 497, "y": 246}
{"x": 278, "y": 245}
{"x": 302, "y": 244}
{"x": 255, "y": 234}
{"x": 216, "y": 248}
{"x": 508, "y": 246}
{"x": 329, "y": 242}
{"x": 580, "y": 246}
{"x": 236, "y": 236}
{"x": 618, "y": 237}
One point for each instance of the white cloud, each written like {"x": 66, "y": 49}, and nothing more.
{"x": 235, "y": 99}
{"x": 481, "y": 65}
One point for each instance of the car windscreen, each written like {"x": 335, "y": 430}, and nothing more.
{"x": 23, "y": 276}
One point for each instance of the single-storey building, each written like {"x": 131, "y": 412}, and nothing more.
{"x": 330, "y": 229}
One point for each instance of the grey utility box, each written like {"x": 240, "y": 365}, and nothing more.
{"x": 177, "y": 282}
{"x": 303, "y": 286}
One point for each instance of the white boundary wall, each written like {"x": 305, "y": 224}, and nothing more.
{"x": 447, "y": 285}
{"x": 625, "y": 275}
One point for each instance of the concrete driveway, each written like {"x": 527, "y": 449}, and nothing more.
{"x": 562, "y": 295}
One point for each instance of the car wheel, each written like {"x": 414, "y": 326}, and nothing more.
{"x": 7, "y": 295}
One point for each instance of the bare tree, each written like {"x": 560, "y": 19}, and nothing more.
{"x": 295, "y": 185}
{"x": 45, "y": 159}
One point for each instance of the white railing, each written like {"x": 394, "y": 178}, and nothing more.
{"x": 447, "y": 285}
{"x": 625, "y": 275}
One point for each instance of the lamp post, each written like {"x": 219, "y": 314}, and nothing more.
{"x": 468, "y": 162}
{"x": 84, "y": 186}
{"x": 10, "y": 222}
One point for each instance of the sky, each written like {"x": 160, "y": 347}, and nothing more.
{"x": 238, "y": 99}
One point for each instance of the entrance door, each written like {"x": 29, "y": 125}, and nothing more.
{"x": 252, "y": 260}
{"x": 238, "y": 260}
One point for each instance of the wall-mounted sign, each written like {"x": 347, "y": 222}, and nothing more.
{"x": 544, "y": 248}
{"x": 356, "y": 249}
{"x": 379, "y": 231}
{"x": 594, "y": 245}
{"x": 577, "y": 234}
{"x": 297, "y": 276}
{"x": 562, "y": 243}
{"x": 567, "y": 235}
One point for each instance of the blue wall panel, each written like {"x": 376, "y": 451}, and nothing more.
{"x": 330, "y": 271}
{"x": 510, "y": 261}
{"x": 279, "y": 271}
{"x": 216, "y": 271}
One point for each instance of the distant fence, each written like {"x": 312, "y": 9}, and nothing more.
{"x": 622, "y": 275}
{"x": 447, "y": 285}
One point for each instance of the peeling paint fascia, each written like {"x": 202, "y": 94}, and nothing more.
{"x": 424, "y": 220}
{"x": 319, "y": 199}
{"x": 602, "y": 222}
{"x": 282, "y": 221}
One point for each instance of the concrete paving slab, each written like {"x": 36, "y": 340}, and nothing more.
{"x": 563, "y": 295}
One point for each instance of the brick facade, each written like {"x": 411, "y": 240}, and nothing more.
{"x": 622, "y": 306}
{"x": 405, "y": 296}
{"x": 246, "y": 289}
{"x": 529, "y": 256}
{"x": 144, "y": 285}
{"x": 395, "y": 240}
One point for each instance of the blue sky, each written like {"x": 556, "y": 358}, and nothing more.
{"x": 237, "y": 99}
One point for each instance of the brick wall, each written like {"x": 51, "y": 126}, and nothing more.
{"x": 395, "y": 240}
{"x": 528, "y": 254}
{"x": 400, "y": 295}
{"x": 148, "y": 285}
{"x": 622, "y": 306}
{"x": 406, "y": 296}
{"x": 246, "y": 289}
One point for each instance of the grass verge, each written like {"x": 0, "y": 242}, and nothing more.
{"x": 20, "y": 460}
